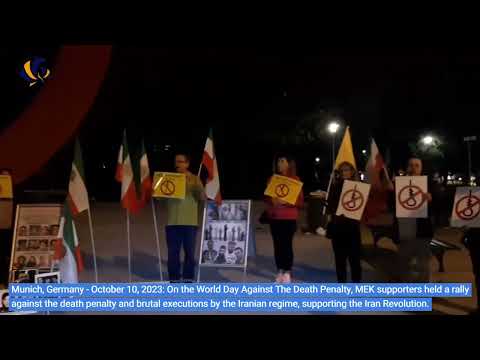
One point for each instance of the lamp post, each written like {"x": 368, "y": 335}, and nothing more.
{"x": 469, "y": 140}
{"x": 333, "y": 129}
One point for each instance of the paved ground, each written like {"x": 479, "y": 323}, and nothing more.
{"x": 313, "y": 256}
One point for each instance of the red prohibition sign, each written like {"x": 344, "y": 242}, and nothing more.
{"x": 465, "y": 207}
{"x": 411, "y": 202}
{"x": 167, "y": 187}
{"x": 352, "y": 200}
{"x": 282, "y": 190}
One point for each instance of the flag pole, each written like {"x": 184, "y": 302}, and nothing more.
{"x": 157, "y": 238}
{"x": 93, "y": 244}
{"x": 386, "y": 173}
{"x": 200, "y": 169}
{"x": 328, "y": 191}
{"x": 128, "y": 247}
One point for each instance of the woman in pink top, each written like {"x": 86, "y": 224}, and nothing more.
{"x": 283, "y": 221}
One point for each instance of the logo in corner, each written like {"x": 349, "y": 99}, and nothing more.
{"x": 35, "y": 70}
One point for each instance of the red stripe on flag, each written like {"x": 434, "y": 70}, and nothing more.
{"x": 72, "y": 206}
{"x": 146, "y": 189}
{"x": 130, "y": 201}
{"x": 119, "y": 172}
{"x": 60, "y": 250}
{"x": 207, "y": 161}
{"x": 79, "y": 259}
{"x": 379, "y": 164}
{"x": 218, "y": 198}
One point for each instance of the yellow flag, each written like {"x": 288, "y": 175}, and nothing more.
{"x": 345, "y": 153}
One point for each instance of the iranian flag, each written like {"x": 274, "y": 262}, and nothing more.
{"x": 67, "y": 249}
{"x": 209, "y": 160}
{"x": 77, "y": 192}
{"x": 124, "y": 175}
{"x": 377, "y": 176}
{"x": 375, "y": 166}
{"x": 145, "y": 179}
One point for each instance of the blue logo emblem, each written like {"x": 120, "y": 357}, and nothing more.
{"x": 35, "y": 70}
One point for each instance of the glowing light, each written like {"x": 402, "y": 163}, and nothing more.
{"x": 428, "y": 140}
{"x": 333, "y": 127}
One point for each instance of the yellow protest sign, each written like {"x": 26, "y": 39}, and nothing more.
{"x": 6, "y": 187}
{"x": 169, "y": 185}
{"x": 284, "y": 188}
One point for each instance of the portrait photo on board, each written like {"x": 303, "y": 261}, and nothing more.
{"x": 4, "y": 298}
{"x": 48, "y": 278}
{"x": 24, "y": 276}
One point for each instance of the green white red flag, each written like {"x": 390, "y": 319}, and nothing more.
{"x": 124, "y": 175}
{"x": 209, "y": 160}
{"x": 67, "y": 249}
{"x": 77, "y": 192}
{"x": 145, "y": 179}
{"x": 377, "y": 176}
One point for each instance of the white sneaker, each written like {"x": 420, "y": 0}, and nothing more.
{"x": 279, "y": 278}
{"x": 287, "y": 278}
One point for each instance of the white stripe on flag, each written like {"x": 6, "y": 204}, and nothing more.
{"x": 68, "y": 267}
{"x": 78, "y": 191}
{"x": 144, "y": 169}
{"x": 127, "y": 177}
{"x": 209, "y": 147}
{"x": 213, "y": 187}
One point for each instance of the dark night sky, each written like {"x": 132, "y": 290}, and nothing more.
{"x": 172, "y": 96}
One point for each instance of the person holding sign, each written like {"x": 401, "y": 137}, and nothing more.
{"x": 344, "y": 232}
{"x": 472, "y": 242}
{"x": 182, "y": 223}
{"x": 283, "y": 220}
{"x": 466, "y": 216}
{"x": 414, "y": 233}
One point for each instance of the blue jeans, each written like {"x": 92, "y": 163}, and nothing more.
{"x": 178, "y": 236}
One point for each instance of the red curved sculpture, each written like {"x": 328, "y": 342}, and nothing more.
{"x": 56, "y": 112}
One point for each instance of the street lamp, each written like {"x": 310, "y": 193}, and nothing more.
{"x": 428, "y": 140}
{"x": 333, "y": 129}
{"x": 469, "y": 140}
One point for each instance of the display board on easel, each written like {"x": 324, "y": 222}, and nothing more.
{"x": 225, "y": 235}
{"x": 35, "y": 233}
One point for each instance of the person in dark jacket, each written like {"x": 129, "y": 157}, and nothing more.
{"x": 472, "y": 241}
{"x": 414, "y": 235}
{"x": 344, "y": 232}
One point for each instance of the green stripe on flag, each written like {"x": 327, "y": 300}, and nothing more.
{"x": 77, "y": 159}
{"x": 68, "y": 230}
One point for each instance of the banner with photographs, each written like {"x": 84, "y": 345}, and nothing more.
{"x": 36, "y": 231}
{"x": 225, "y": 234}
